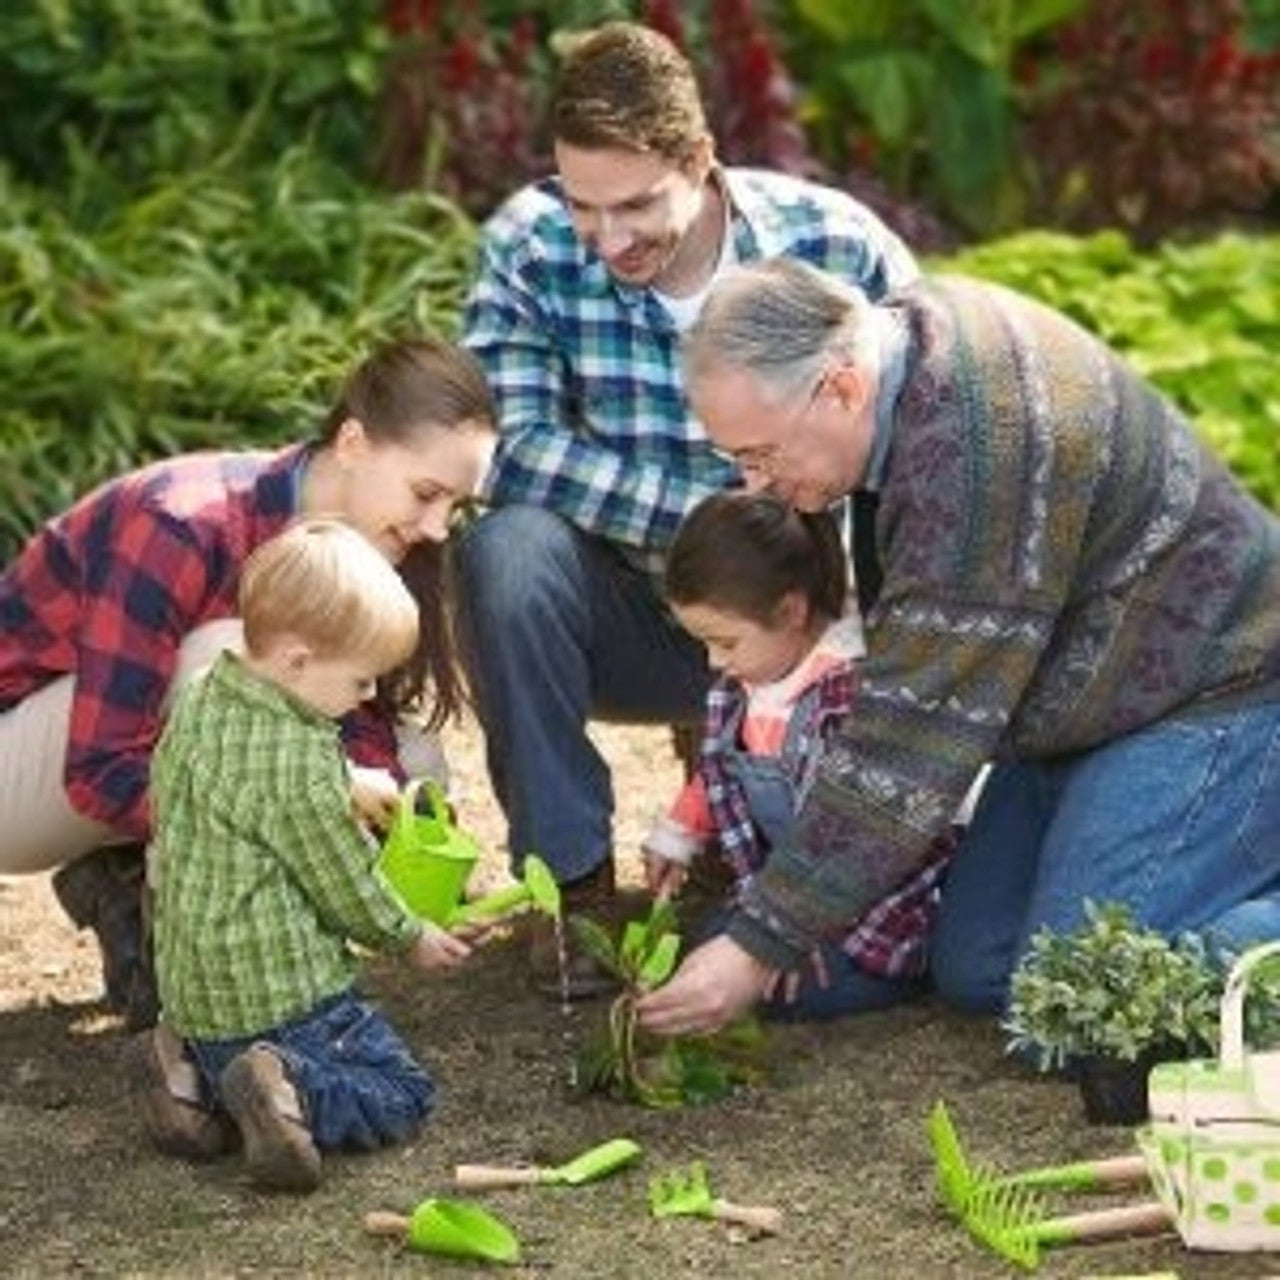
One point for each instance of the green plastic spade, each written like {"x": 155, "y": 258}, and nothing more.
{"x": 596, "y": 1163}
{"x": 537, "y": 889}
{"x": 454, "y": 1228}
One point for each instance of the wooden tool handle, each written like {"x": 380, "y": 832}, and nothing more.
{"x": 1119, "y": 1171}
{"x": 1103, "y": 1224}
{"x": 763, "y": 1218}
{"x": 1110, "y": 1172}
{"x": 381, "y": 1222}
{"x": 477, "y": 1177}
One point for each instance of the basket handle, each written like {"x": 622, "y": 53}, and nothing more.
{"x": 1232, "y": 1025}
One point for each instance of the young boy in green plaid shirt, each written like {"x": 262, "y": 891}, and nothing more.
{"x": 263, "y": 875}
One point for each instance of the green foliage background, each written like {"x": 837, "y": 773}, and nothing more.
{"x": 191, "y": 253}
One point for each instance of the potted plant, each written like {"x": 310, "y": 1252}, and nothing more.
{"x": 1110, "y": 999}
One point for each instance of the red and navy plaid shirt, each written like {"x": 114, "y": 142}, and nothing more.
{"x": 891, "y": 938}
{"x": 107, "y": 591}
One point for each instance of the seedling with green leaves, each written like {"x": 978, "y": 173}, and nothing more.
{"x": 657, "y": 1072}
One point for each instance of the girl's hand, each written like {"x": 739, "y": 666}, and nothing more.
{"x": 662, "y": 877}
{"x": 374, "y": 795}
{"x": 435, "y": 948}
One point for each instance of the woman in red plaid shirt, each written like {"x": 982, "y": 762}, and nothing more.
{"x": 115, "y": 601}
{"x": 766, "y": 590}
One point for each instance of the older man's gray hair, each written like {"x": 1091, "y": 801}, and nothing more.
{"x": 781, "y": 319}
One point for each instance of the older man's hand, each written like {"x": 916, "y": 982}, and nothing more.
{"x": 716, "y": 982}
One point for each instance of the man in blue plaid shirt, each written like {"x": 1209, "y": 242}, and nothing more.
{"x": 586, "y": 282}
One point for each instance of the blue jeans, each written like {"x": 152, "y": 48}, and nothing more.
{"x": 1181, "y": 821}
{"x": 359, "y": 1085}
{"x": 557, "y": 629}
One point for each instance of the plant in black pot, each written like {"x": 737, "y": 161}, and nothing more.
{"x": 1108, "y": 1001}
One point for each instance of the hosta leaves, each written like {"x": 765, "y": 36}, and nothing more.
{"x": 594, "y": 939}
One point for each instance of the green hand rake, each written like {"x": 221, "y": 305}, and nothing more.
{"x": 1006, "y": 1213}
{"x": 1014, "y": 1222}
{"x": 689, "y": 1193}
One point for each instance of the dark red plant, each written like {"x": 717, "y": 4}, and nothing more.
{"x": 750, "y": 96}
{"x": 460, "y": 104}
{"x": 1156, "y": 118}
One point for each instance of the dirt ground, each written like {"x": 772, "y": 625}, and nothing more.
{"x": 836, "y": 1141}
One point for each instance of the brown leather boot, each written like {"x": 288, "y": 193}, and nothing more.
{"x": 279, "y": 1151}
{"x": 167, "y": 1088}
{"x": 582, "y": 977}
{"x": 103, "y": 891}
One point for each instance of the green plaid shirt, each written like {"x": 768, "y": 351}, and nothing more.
{"x": 261, "y": 873}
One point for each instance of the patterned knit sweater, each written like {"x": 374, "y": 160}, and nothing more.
{"x": 1064, "y": 563}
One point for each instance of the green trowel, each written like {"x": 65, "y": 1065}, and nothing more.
{"x": 596, "y": 1163}
{"x": 537, "y": 889}
{"x": 454, "y": 1228}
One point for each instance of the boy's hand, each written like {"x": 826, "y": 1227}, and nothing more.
{"x": 663, "y": 877}
{"x": 374, "y": 795}
{"x": 435, "y": 948}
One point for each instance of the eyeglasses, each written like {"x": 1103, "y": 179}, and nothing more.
{"x": 759, "y": 459}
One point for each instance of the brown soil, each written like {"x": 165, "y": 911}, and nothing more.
{"x": 836, "y": 1140}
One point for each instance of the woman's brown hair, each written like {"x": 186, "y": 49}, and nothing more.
{"x": 398, "y": 390}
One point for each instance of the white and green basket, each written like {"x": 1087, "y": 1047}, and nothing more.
{"x": 1213, "y": 1143}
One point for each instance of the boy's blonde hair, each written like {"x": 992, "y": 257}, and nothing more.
{"x": 325, "y": 583}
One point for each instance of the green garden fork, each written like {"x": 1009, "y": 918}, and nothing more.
{"x": 688, "y": 1192}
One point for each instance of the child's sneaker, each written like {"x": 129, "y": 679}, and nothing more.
{"x": 279, "y": 1151}
{"x": 168, "y": 1092}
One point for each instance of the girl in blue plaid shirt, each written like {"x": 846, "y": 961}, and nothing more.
{"x": 765, "y": 589}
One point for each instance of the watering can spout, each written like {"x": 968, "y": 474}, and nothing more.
{"x": 537, "y": 889}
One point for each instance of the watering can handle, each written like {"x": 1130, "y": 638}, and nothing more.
{"x": 1232, "y": 1026}
{"x": 381, "y": 1222}
{"x": 478, "y": 1177}
{"x": 418, "y": 787}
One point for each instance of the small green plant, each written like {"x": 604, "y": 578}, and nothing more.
{"x": 1113, "y": 989}
{"x": 657, "y": 1072}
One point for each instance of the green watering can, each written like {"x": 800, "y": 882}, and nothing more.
{"x": 428, "y": 859}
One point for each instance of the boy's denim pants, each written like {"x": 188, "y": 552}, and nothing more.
{"x": 1180, "y": 820}
{"x": 359, "y": 1085}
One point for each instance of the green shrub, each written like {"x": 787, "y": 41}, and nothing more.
{"x": 206, "y": 313}
{"x": 99, "y": 96}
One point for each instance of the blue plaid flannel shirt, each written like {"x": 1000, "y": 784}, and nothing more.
{"x": 585, "y": 370}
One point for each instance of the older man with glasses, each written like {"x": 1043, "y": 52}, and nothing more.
{"x": 1073, "y": 589}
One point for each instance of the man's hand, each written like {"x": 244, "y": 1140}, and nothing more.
{"x": 789, "y": 983}
{"x": 714, "y": 984}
